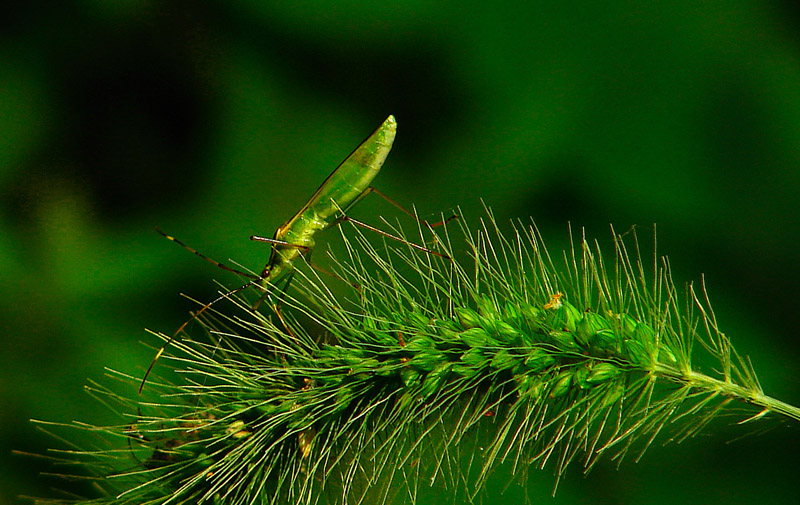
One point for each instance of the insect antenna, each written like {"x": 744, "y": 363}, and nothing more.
{"x": 203, "y": 256}
{"x": 252, "y": 282}
{"x": 255, "y": 281}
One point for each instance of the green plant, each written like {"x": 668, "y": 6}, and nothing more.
{"x": 429, "y": 371}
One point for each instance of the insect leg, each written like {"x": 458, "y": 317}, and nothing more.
{"x": 304, "y": 249}
{"x": 389, "y": 235}
{"x": 307, "y": 252}
{"x": 194, "y": 316}
{"x": 274, "y": 241}
{"x": 344, "y": 217}
{"x": 263, "y": 297}
{"x": 132, "y": 433}
{"x": 254, "y": 278}
{"x": 276, "y": 307}
{"x": 403, "y": 209}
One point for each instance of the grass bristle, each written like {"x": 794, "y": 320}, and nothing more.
{"x": 428, "y": 372}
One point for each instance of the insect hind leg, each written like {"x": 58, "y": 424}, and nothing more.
{"x": 393, "y": 237}
{"x": 411, "y": 214}
{"x": 345, "y": 218}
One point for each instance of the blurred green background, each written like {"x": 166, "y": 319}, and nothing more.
{"x": 217, "y": 120}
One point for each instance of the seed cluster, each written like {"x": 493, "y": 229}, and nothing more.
{"x": 406, "y": 379}
{"x": 553, "y": 345}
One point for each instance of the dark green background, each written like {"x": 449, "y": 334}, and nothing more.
{"x": 217, "y": 121}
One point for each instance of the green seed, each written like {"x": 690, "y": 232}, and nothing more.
{"x": 627, "y": 325}
{"x": 605, "y": 342}
{"x": 468, "y": 318}
{"x": 503, "y": 360}
{"x": 581, "y": 375}
{"x": 539, "y": 359}
{"x": 410, "y": 377}
{"x": 637, "y": 353}
{"x": 602, "y": 372}
{"x": 428, "y": 361}
{"x": 419, "y": 343}
{"x": 477, "y": 337}
{"x": 613, "y": 393}
{"x": 566, "y": 317}
{"x": 462, "y": 370}
{"x": 512, "y": 314}
{"x": 530, "y": 386}
{"x": 508, "y": 332}
{"x": 591, "y": 324}
{"x": 418, "y": 320}
{"x": 645, "y": 334}
{"x": 487, "y": 307}
{"x": 533, "y": 316}
{"x": 563, "y": 340}
{"x": 474, "y": 358}
{"x": 435, "y": 380}
{"x": 561, "y": 384}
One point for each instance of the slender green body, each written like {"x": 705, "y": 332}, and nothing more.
{"x": 340, "y": 191}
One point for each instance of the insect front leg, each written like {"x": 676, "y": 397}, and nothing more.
{"x": 276, "y": 305}
{"x": 306, "y": 252}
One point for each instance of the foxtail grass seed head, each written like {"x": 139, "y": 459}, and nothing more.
{"x": 394, "y": 385}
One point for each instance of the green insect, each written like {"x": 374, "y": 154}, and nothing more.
{"x": 346, "y": 185}
{"x": 343, "y": 188}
